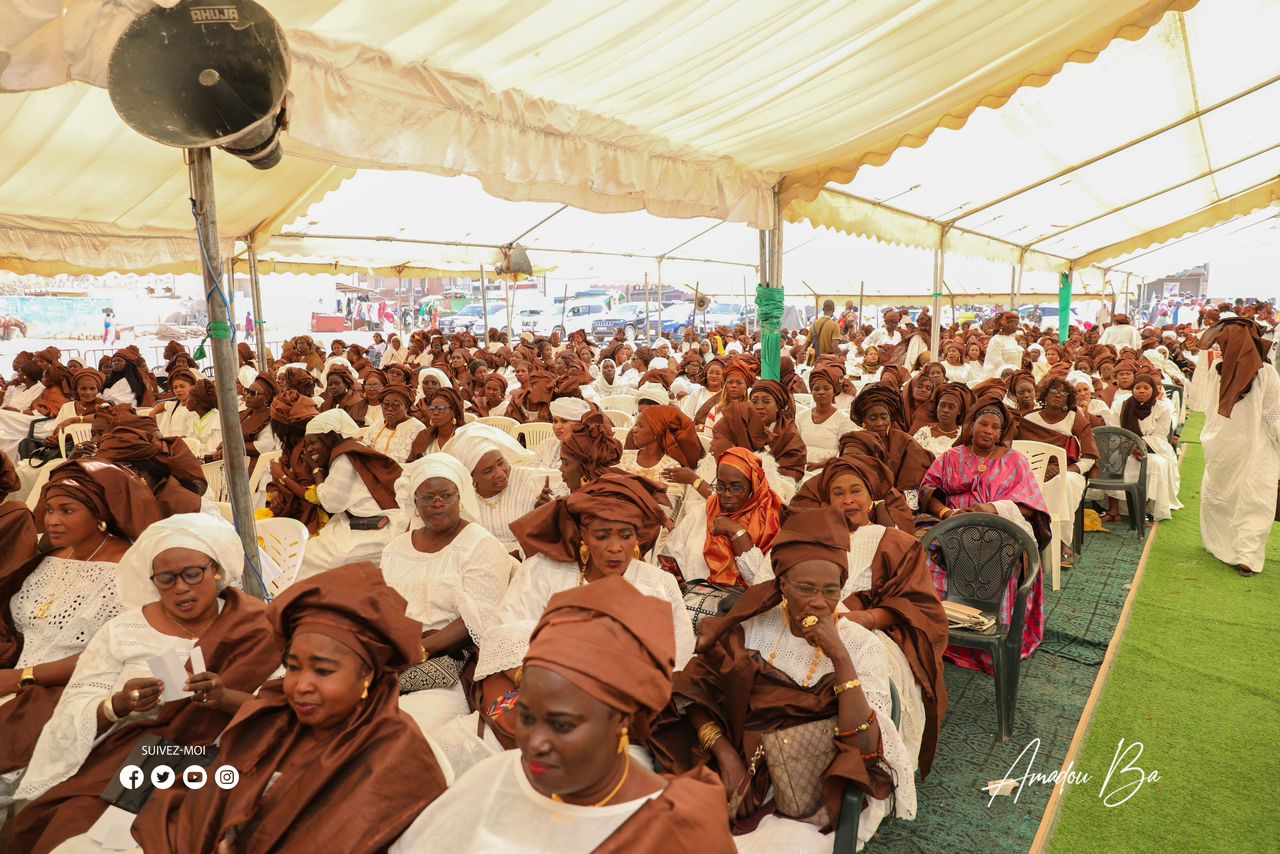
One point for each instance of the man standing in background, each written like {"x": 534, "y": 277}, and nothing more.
{"x": 826, "y": 332}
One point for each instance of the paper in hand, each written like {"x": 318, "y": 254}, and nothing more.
{"x": 171, "y": 669}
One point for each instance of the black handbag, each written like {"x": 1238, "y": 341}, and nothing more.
{"x": 704, "y": 599}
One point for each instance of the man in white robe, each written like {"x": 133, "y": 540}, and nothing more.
{"x": 1121, "y": 333}
{"x": 1003, "y": 350}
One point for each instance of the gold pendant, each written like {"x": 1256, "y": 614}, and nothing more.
{"x": 43, "y": 610}
{"x": 981, "y": 469}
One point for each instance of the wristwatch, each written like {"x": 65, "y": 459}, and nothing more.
{"x": 742, "y": 533}
{"x": 28, "y": 677}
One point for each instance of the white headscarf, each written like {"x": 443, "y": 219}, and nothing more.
{"x": 329, "y": 365}
{"x": 654, "y": 392}
{"x": 570, "y": 408}
{"x": 472, "y": 441}
{"x": 436, "y": 465}
{"x": 659, "y": 363}
{"x": 247, "y": 375}
{"x": 335, "y": 420}
{"x": 440, "y": 375}
{"x": 203, "y": 532}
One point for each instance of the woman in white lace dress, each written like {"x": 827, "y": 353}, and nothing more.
{"x": 783, "y": 659}
{"x": 450, "y": 570}
{"x": 822, "y": 426}
{"x": 178, "y": 593}
{"x": 90, "y": 512}
{"x": 508, "y": 481}
{"x": 597, "y": 532}
{"x": 396, "y": 430}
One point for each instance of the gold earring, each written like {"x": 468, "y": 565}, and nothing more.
{"x": 584, "y": 554}
{"x": 623, "y": 742}
{"x": 102, "y": 526}
{"x": 636, "y": 553}
{"x": 364, "y": 695}
{"x": 784, "y": 603}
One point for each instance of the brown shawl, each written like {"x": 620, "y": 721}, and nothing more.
{"x": 689, "y": 815}
{"x": 1243, "y": 355}
{"x": 890, "y": 507}
{"x": 1081, "y": 431}
{"x": 377, "y": 471}
{"x": 239, "y": 647}
{"x": 906, "y": 459}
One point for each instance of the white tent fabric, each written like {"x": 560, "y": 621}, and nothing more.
{"x": 1156, "y": 139}
{"x": 695, "y": 108}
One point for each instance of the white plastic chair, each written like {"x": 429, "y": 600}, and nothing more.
{"x": 621, "y": 402}
{"x": 216, "y": 476}
{"x": 502, "y": 422}
{"x": 533, "y": 434}
{"x": 1054, "y": 491}
{"x": 262, "y": 470}
{"x": 227, "y": 511}
{"x": 619, "y": 418}
{"x": 285, "y": 542}
{"x": 77, "y": 433}
{"x": 805, "y": 400}
{"x": 195, "y": 446}
{"x": 42, "y": 477}
{"x": 621, "y": 434}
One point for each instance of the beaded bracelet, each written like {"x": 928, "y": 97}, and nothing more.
{"x": 503, "y": 704}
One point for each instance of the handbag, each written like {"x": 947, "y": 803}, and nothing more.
{"x": 704, "y": 599}
{"x": 798, "y": 757}
{"x": 440, "y": 672}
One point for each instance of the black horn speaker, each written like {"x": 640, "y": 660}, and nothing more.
{"x": 204, "y": 73}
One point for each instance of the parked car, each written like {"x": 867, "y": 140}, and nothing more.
{"x": 471, "y": 319}
{"x": 569, "y": 317}
{"x": 726, "y": 314}
{"x": 676, "y": 318}
{"x": 629, "y": 317}
{"x": 1049, "y": 315}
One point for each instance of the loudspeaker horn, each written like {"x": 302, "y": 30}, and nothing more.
{"x": 204, "y": 73}
{"x": 703, "y": 302}
{"x": 515, "y": 260}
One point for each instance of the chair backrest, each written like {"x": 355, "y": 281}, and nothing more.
{"x": 619, "y": 418}
{"x": 285, "y": 542}
{"x": 621, "y": 402}
{"x": 1038, "y": 455}
{"x": 621, "y": 434}
{"x": 980, "y": 551}
{"x": 216, "y": 477}
{"x": 1115, "y": 449}
{"x": 805, "y": 400}
{"x": 532, "y": 435}
{"x": 42, "y": 477}
{"x": 502, "y": 422}
{"x": 262, "y": 470}
{"x": 77, "y": 433}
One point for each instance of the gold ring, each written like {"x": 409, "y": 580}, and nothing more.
{"x": 809, "y": 621}
{"x": 135, "y": 696}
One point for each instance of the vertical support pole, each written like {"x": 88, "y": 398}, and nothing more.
{"x": 862, "y": 292}
{"x": 764, "y": 258}
{"x": 648, "y": 323}
{"x": 659, "y": 334}
{"x": 939, "y": 269}
{"x": 484, "y": 306}
{"x": 259, "y": 325}
{"x": 508, "y": 281}
{"x": 769, "y": 301}
{"x": 200, "y": 172}
{"x": 746, "y": 300}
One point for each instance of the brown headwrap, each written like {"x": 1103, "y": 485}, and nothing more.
{"x": 203, "y": 394}
{"x": 300, "y": 380}
{"x": 676, "y": 434}
{"x": 988, "y": 405}
{"x": 592, "y": 445}
{"x": 611, "y": 641}
{"x": 781, "y": 397}
{"x": 740, "y": 426}
{"x": 831, "y": 374}
{"x": 293, "y": 409}
{"x": 883, "y": 395}
{"x": 92, "y": 373}
{"x": 185, "y": 374}
{"x": 252, "y": 421}
{"x": 1242, "y": 357}
{"x": 110, "y": 492}
{"x": 555, "y": 528}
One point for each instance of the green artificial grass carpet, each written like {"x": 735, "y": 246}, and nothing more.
{"x": 1195, "y": 681}
{"x": 953, "y": 812}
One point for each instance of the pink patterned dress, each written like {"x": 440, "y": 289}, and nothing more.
{"x": 1009, "y": 478}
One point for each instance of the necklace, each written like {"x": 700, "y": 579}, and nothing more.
{"x": 43, "y": 610}
{"x": 813, "y": 663}
{"x": 188, "y": 634}
{"x": 612, "y": 794}
{"x": 982, "y": 466}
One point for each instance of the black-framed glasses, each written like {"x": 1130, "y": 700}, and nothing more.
{"x": 807, "y": 591}
{"x": 192, "y": 576}
{"x": 735, "y": 489}
{"x": 428, "y": 499}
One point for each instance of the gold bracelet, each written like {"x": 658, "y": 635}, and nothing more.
{"x": 709, "y": 734}
{"x": 845, "y": 686}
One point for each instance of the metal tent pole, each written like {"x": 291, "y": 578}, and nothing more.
{"x": 648, "y": 324}
{"x": 259, "y": 325}
{"x": 484, "y": 306}
{"x": 939, "y": 260}
{"x": 659, "y": 300}
{"x": 234, "y": 460}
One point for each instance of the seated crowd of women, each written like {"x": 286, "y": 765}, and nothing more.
{"x": 596, "y": 645}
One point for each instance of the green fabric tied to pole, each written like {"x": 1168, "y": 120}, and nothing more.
{"x": 1064, "y": 306}
{"x": 219, "y": 330}
{"x": 200, "y": 353}
{"x": 769, "y": 302}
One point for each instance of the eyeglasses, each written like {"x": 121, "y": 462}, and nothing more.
{"x": 735, "y": 489}
{"x": 433, "y": 408}
{"x": 192, "y": 576}
{"x": 428, "y": 500}
{"x": 808, "y": 591}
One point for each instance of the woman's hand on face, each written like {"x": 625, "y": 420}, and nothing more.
{"x": 545, "y": 495}
{"x": 680, "y": 474}
{"x": 208, "y": 688}
{"x": 825, "y": 635}
{"x": 148, "y": 693}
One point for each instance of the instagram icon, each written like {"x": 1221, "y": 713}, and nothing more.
{"x": 226, "y": 777}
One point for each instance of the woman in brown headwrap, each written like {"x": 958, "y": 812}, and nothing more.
{"x": 1059, "y": 422}
{"x": 86, "y": 385}
{"x": 291, "y": 474}
{"x": 1143, "y": 412}
{"x": 355, "y": 485}
{"x": 494, "y": 399}
{"x": 300, "y": 380}
{"x": 255, "y": 418}
{"x": 532, "y": 401}
{"x": 602, "y": 530}
{"x": 736, "y": 382}
{"x": 58, "y": 391}
{"x": 941, "y": 427}
{"x": 1022, "y": 392}
{"x": 166, "y": 465}
{"x": 327, "y": 760}
{"x": 588, "y": 448}
{"x": 917, "y": 401}
{"x": 206, "y": 428}
{"x": 776, "y": 409}
{"x": 1241, "y": 396}
{"x": 340, "y": 392}
{"x": 665, "y": 439}
{"x": 725, "y": 538}
{"x": 178, "y": 587}
{"x": 442, "y": 414}
{"x": 820, "y": 428}
{"x": 863, "y": 451}
{"x": 782, "y": 659}
{"x": 878, "y": 409}
{"x": 891, "y": 593}
{"x": 397, "y": 428}
{"x": 55, "y": 601}
{"x": 602, "y": 656}
{"x": 372, "y": 382}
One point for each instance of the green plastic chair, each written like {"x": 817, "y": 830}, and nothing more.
{"x": 980, "y": 552}
{"x": 851, "y": 807}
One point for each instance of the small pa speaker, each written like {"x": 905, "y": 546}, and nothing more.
{"x": 204, "y": 73}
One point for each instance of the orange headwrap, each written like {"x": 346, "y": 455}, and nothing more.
{"x": 761, "y": 516}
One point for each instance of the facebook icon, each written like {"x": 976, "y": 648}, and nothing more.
{"x": 131, "y": 777}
